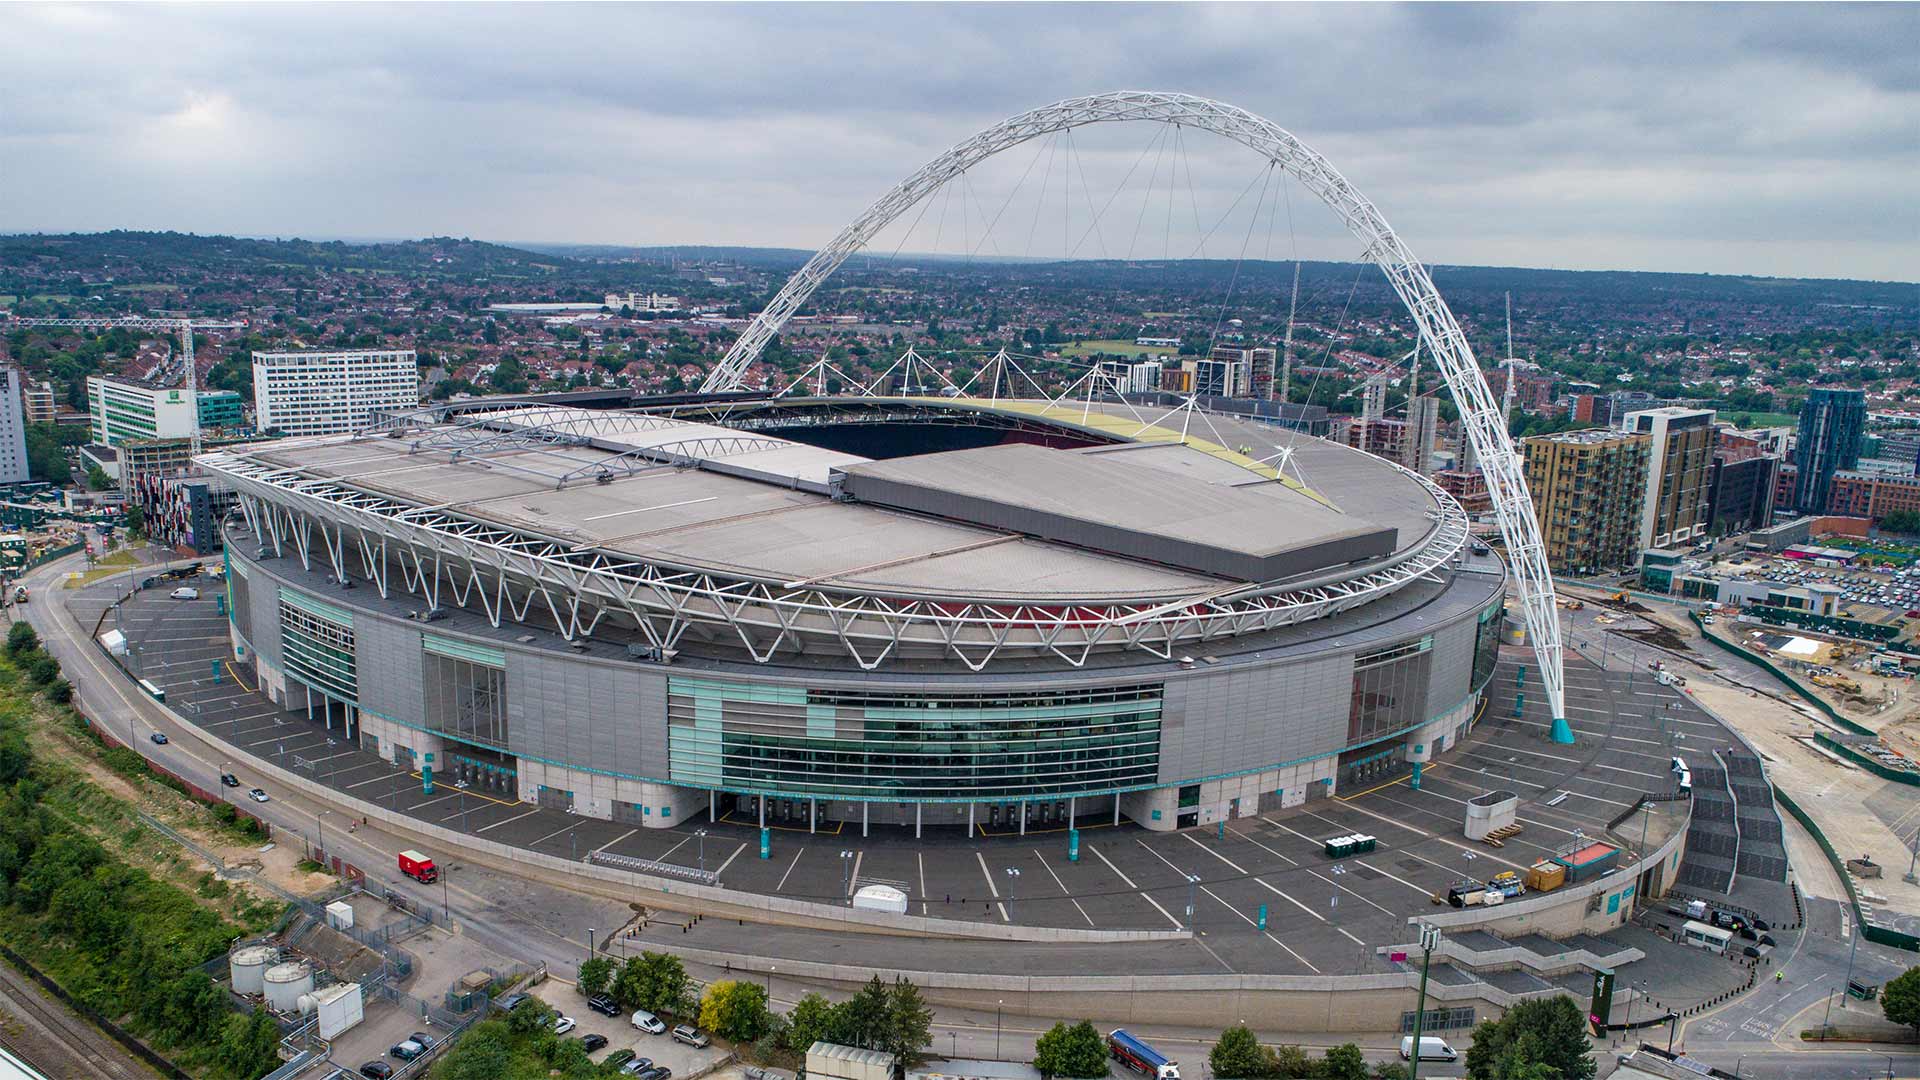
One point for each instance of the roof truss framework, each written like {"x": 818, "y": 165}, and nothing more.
{"x": 444, "y": 557}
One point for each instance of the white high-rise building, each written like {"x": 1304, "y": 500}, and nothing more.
{"x": 123, "y": 409}
{"x": 329, "y": 391}
{"x": 13, "y": 430}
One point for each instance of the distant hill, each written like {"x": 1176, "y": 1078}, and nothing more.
{"x": 114, "y": 253}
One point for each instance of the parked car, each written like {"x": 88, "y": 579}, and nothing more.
{"x": 562, "y": 1025}
{"x": 593, "y": 1042}
{"x": 617, "y": 1059}
{"x": 423, "y": 1039}
{"x": 406, "y": 1051}
{"x": 690, "y": 1035}
{"x": 377, "y": 1070}
{"x": 257, "y": 795}
{"x": 227, "y": 779}
{"x": 636, "y": 1066}
{"x": 648, "y": 1022}
{"x": 507, "y": 1003}
{"x": 604, "y": 1005}
{"x": 159, "y": 738}
{"x": 658, "y": 1072}
{"x": 185, "y": 593}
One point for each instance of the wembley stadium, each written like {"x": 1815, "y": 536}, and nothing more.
{"x": 922, "y": 612}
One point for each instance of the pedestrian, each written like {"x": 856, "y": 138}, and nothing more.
{"x": 1779, "y": 975}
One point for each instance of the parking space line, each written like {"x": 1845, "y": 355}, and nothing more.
{"x": 920, "y": 861}
{"x": 364, "y": 783}
{"x": 991, "y": 887}
{"x": 783, "y": 877}
{"x": 509, "y": 821}
{"x": 853, "y": 879}
{"x": 1237, "y": 868}
{"x": 1275, "y": 852}
{"x": 1395, "y": 877}
{"x": 1057, "y": 881}
{"x": 550, "y": 835}
{"x": 613, "y": 841}
{"x": 723, "y": 866}
{"x": 1268, "y": 934}
{"x": 1143, "y": 894}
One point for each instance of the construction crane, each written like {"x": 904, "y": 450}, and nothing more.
{"x": 183, "y": 327}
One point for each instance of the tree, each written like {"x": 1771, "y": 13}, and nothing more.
{"x": 1344, "y": 1062}
{"x": 595, "y": 975}
{"x": 810, "y": 1021}
{"x": 481, "y": 1054}
{"x": 15, "y": 757}
{"x": 656, "y": 982}
{"x": 1900, "y": 999}
{"x": 1291, "y": 1062}
{"x": 735, "y": 1010}
{"x": 862, "y": 1019}
{"x": 909, "y": 1027}
{"x": 530, "y": 1016}
{"x": 1238, "y": 1055}
{"x": 1545, "y": 1031}
{"x": 97, "y": 479}
{"x": 21, "y": 639}
{"x": 250, "y": 1045}
{"x": 1076, "y": 1051}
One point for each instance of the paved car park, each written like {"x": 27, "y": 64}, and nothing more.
{"x": 620, "y": 1033}
{"x": 1323, "y": 915}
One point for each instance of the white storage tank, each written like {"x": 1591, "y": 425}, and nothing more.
{"x": 285, "y": 983}
{"x": 248, "y": 964}
{"x": 339, "y": 1007}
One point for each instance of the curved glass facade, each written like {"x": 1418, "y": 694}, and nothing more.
{"x": 835, "y": 743}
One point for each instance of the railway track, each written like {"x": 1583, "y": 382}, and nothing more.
{"x": 56, "y": 1040}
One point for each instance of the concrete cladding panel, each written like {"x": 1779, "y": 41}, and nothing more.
{"x": 1246, "y": 716}
{"x": 387, "y": 655}
{"x": 1452, "y": 664}
{"x": 563, "y": 709}
{"x": 263, "y": 593}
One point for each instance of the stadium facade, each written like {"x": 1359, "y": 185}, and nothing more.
{"x": 917, "y": 612}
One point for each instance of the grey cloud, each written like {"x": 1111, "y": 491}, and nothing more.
{"x": 1772, "y": 139}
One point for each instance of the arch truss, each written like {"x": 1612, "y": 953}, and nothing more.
{"x": 1439, "y": 332}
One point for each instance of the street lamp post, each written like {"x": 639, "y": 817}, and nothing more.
{"x": 1013, "y": 881}
{"x": 590, "y": 933}
{"x": 1429, "y": 941}
{"x": 846, "y": 873}
{"x": 998, "y": 1002}
{"x": 1193, "y": 903}
{"x": 702, "y": 835}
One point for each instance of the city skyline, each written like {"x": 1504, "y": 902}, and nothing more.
{"x": 1775, "y": 141}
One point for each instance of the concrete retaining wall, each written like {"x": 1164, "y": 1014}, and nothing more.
{"x": 1332, "y": 1003}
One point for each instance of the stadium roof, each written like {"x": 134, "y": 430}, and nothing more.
{"x": 1127, "y": 522}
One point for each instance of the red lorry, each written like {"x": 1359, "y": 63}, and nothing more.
{"x": 419, "y": 867}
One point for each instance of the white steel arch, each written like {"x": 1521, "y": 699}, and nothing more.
{"x": 1486, "y": 424}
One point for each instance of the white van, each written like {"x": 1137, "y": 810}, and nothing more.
{"x": 1431, "y": 1049}
{"x": 648, "y": 1022}
{"x": 185, "y": 593}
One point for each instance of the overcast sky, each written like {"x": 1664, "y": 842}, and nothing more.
{"x": 1773, "y": 139}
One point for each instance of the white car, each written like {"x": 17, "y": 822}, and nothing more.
{"x": 563, "y": 1025}
{"x": 648, "y": 1022}
{"x": 185, "y": 593}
